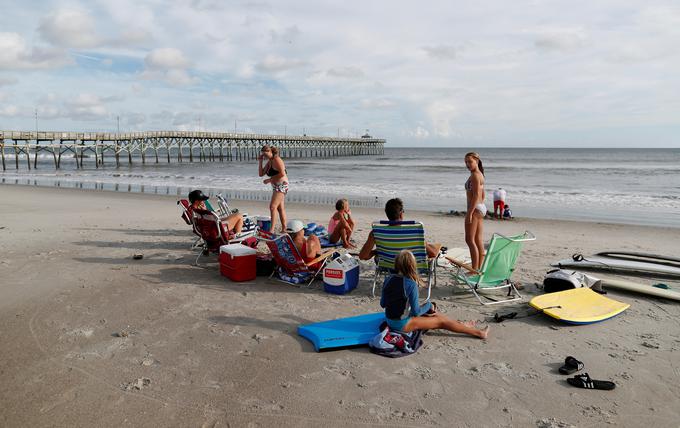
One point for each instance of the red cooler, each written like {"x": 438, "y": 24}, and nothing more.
{"x": 238, "y": 262}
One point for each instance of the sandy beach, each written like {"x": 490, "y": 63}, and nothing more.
{"x": 91, "y": 337}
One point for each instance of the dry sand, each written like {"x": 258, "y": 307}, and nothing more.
{"x": 90, "y": 337}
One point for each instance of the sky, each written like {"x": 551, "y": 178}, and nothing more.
{"x": 437, "y": 73}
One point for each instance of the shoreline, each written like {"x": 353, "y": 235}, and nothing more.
{"x": 318, "y": 200}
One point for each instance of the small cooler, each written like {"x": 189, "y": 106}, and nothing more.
{"x": 238, "y": 262}
{"x": 341, "y": 275}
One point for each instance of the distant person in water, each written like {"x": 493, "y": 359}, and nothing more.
{"x": 199, "y": 200}
{"x": 507, "y": 214}
{"x": 394, "y": 210}
{"x": 341, "y": 224}
{"x": 403, "y": 312}
{"x": 499, "y": 196}
{"x": 476, "y": 210}
{"x": 275, "y": 169}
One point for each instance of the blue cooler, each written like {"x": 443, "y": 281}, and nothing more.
{"x": 341, "y": 275}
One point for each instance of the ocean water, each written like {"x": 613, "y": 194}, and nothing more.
{"x": 633, "y": 186}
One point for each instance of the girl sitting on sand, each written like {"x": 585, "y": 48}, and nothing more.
{"x": 400, "y": 291}
{"x": 341, "y": 225}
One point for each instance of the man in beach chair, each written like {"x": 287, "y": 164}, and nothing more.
{"x": 214, "y": 233}
{"x": 388, "y": 238}
{"x": 298, "y": 259}
{"x": 497, "y": 267}
{"x": 233, "y": 221}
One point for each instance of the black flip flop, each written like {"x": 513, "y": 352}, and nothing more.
{"x": 571, "y": 365}
{"x": 584, "y": 381}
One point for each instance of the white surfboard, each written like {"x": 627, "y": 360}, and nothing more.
{"x": 618, "y": 265}
{"x": 640, "y": 288}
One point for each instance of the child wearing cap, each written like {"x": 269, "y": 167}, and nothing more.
{"x": 308, "y": 247}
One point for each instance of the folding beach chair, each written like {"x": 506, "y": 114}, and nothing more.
{"x": 291, "y": 267}
{"x": 213, "y": 232}
{"x": 391, "y": 237}
{"x": 249, "y": 222}
{"x": 187, "y": 216}
{"x": 497, "y": 267}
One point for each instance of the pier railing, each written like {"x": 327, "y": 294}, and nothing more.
{"x": 152, "y": 146}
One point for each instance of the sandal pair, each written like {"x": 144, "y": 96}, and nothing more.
{"x": 572, "y": 365}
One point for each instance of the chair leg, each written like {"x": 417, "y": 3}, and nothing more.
{"x": 200, "y": 253}
{"x": 375, "y": 281}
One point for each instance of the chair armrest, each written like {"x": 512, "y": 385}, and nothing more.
{"x": 321, "y": 257}
{"x": 458, "y": 263}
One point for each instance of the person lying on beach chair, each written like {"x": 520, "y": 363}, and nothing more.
{"x": 341, "y": 225}
{"x": 394, "y": 210}
{"x": 403, "y": 311}
{"x": 199, "y": 201}
{"x": 308, "y": 247}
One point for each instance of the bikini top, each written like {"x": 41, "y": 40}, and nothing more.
{"x": 273, "y": 171}
{"x": 468, "y": 185}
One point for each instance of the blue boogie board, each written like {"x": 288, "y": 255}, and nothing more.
{"x": 352, "y": 331}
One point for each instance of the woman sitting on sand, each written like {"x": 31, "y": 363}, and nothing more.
{"x": 476, "y": 210}
{"x": 341, "y": 225}
{"x": 276, "y": 170}
{"x": 400, "y": 292}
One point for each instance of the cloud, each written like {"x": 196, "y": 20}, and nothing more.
{"x": 69, "y": 29}
{"x": 442, "y": 115}
{"x": 419, "y": 133}
{"x": 166, "y": 59}
{"x": 6, "y": 81}
{"x": 348, "y": 72}
{"x": 287, "y": 35}
{"x": 442, "y": 52}
{"x": 560, "y": 39}
{"x": 375, "y": 103}
{"x": 274, "y": 64}
{"x": 87, "y": 107}
{"x": 134, "y": 119}
{"x": 9, "y": 110}
{"x": 168, "y": 64}
{"x": 16, "y": 54}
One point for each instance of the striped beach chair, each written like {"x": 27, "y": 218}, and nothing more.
{"x": 391, "y": 237}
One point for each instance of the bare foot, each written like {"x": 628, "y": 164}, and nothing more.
{"x": 484, "y": 333}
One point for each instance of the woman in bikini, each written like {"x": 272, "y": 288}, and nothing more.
{"x": 402, "y": 310}
{"x": 276, "y": 170}
{"x": 476, "y": 210}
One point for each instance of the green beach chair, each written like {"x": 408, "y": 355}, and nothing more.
{"x": 497, "y": 267}
{"x": 391, "y": 237}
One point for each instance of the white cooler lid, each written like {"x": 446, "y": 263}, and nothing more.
{"x": 238, "y": 250}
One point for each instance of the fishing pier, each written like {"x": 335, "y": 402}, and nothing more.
{"x": 182, "y": 146}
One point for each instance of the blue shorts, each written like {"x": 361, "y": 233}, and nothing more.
{"x": 397, "y": 325}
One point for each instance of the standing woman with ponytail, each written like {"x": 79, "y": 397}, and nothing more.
{"x": 476, "y": 210}
{"x": 276, "y": 170}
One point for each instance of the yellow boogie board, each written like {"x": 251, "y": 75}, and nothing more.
{"x": 578, "y": 306}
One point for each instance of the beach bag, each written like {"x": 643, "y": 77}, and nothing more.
{"x": 393, "y": 344}
{"x": 561, "y": 279}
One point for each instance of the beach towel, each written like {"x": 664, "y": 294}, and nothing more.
{"x": 394, "y": 344}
